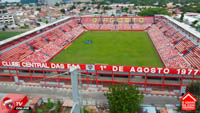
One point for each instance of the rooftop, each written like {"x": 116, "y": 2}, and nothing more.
{"x": 183, "y": 25}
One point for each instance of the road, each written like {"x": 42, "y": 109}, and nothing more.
{"x": 87, "y": 97}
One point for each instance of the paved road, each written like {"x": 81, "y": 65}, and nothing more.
{"x": 90, "y": 97}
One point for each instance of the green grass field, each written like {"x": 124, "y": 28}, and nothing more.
{"x": 5, "y": 35}
{"x": 111, "y": 47}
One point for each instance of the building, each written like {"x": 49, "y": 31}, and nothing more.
{"x": 41, "y": 1}
{"x": 189, "y": 18}
{"x": 49, "y": 2}
{"x": 29, "y": 1}
{"x": 6, "y": 19}
{"x": 9, "y": 1}
{"x": 67, "y": 1}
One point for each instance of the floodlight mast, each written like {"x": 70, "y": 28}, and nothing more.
{"x": 75, "y": 92}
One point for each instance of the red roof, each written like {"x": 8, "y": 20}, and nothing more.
{"x": 188, "y": 97}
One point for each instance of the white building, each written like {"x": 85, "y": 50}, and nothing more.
{"x": 6, "y": 19}
{"x": 189, "y": 19}
{"x": 50, "y": 2}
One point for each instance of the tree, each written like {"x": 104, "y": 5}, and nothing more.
{"x": 17, "y": 4}
{"x": 194, "y": 89}
{"x": 57, "y": 4}
{"x": 40, "y": 20}
{"x": 124, "y": 99}
{"x": 46, "y": 21}
{"x": 194, "y": 23}
{"x": 2, "y": 7}
{"x": 49, "y": 104}
{"x": 85, "y": 111}
{"x": 62, "y": 11}
{"x": 5, "y": 11}
{"x": 38, "y": 9}
{"x": 107, "y": 8}
{"x": 83, "y": 9}
{"x": 58, "y": 104}
{"x": 72, "y": 7}
{"x": 78, "y": 3}
{"x": 124, "y": 9}
{"x": 28, "y": 111}
{"x": 153, "y": 11}
{"x": 3, "y": 29}
{"x": 98, "y": 6}
{"x": 39, "y": 111}
{"x": 174, "y": 12}
{"x": 182, "y": 16}
{"x": 191, "y": 8}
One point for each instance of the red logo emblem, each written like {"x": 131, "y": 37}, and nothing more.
{"x": 7, "y": 103}
{"x": 188, "y": 102}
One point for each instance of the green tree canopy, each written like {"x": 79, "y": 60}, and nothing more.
{"x": 153, "y": 11}
{"x": 194, "y": 89}
{"x": 182, "y": 16}
{"x": 62, "y": 11}
{"x": 124, "y": 9}
{"x": 107, "y": 8}
{"x": 146, "y": 2}
{"x": 28, "y": 111}
{"x": 124, "y": 99}
{"x": 191, "y": 8}
{"x": 38, "y": 9}
{"x": 58, "y": 105}
{"x": 72, "y": 7}
{"x": 83, "y": 9}
{"x": 57, "y": 4}
{"x": 39, "y": 111}
{"x": 46, "y": 21}
{"x": 194, "y": 23}
{"x": 49, "y": 104}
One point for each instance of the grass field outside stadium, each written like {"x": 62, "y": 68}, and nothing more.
{"x": 132, "y": 48}
{"x": 4, "y": 34}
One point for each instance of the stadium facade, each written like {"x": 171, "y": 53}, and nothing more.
{"x": 25, "y": 58}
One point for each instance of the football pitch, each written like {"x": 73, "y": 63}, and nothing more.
{"x": 4, "y": 34}
{"x": 133, "y": 48}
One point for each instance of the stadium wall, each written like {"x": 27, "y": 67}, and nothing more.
{"x": 96, "y": 76}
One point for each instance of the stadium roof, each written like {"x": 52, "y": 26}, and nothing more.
{"x": 31, "y": 31}
{"x": 183, "y": 25}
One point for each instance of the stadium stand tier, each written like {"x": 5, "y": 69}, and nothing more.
{"x": 177, "y": 47}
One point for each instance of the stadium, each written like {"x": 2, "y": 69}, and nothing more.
{"x": 154, "y": 53}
